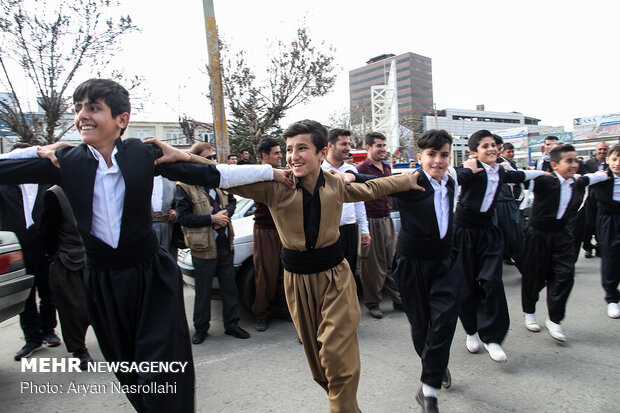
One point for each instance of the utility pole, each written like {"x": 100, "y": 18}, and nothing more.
{"x": 220, "y": 129}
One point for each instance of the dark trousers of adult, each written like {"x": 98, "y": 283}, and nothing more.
{"x": 609, "y": 240}
{"x": 163, "y": 232}
{"x": 576, "y": 227}
{"x": 326, "y": 313}
{"x": 376, "y": 262}
{"x": 349, "y": 239}
{"x": 138, "y": 314}
{"x": 268, "y": 274}
{"x": 548, "y": 262}
{"x": 590, "y": 225}
{"x": 38, "y": 322}
{"x": 508, "y": 220}
{"x": 430, "y": 291}
{"x": 221, "y": 267}
{"x": 70, "y": 298}
{"x": 483, "y": 307}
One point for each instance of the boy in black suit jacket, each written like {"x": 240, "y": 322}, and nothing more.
{"x": 427, "y": 266}
{"x": 483, "y": 309}
{"x": 549, "y": 259}
{"x": 607, "y": 195}
{"x": 133, "y": 287}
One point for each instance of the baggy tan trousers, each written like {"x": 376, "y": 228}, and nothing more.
{"x": 326, "y": 313}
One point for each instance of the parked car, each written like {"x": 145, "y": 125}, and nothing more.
{"x": 244, "y": 243}
{"x": 15, "y": 284}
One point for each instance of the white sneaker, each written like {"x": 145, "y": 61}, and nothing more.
{"x": 613, "y": 310}
{"x": 555, "y": 330}
{"x": 495, "y": 352}
{"x": 531, "y": 323}
{"x": 473, "y": 343}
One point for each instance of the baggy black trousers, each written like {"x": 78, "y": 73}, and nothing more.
{"x": 608, "y": 230}
{"x": 430, "y": 292}
{"x": 548, "y": 260}
{"x": 483, "y": 307}
{"x": 138, "y": 314}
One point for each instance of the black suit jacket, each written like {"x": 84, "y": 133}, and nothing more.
{"x": 12, "y": 215}
{"x": 592, "y": 165}
{"x": 76, "y": 176}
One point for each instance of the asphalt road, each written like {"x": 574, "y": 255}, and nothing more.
{"x": 268, "y": 373}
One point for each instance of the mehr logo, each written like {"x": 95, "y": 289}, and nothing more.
{"x": 51, "y": 365}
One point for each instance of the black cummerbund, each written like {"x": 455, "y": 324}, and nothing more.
{"x": 422, "y": 247}
{"x": 102, "y": 256}
{"x": 547, "y": 225}
{"x": 312, "y": 261}
{"x": 466, "y": 218}
{"x": 609, "y": 209}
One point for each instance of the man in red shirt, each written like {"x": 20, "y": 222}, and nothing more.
{"x": 376, "y": 258}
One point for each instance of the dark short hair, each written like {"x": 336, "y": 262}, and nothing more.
{"x": 265, "y": 145}
{"x": 615, "y": 149}
{"x": 434, "y": 139}
{"x": 244, "y": 150}
{"x": 113, "y": 94}
{"x": 336, "y": 133}
{"x": 200, "y": 146}
{"x": 498, "y": 140}
{"x": 551, "y": 138}
{"x": 314, "y": 128}
{"x": 369, "y": 139}
{"x": 476, "y": 137}
{"x": 231, "y": 155}
{"x": 556, "y": 153}
{"x": 507, "y": 145}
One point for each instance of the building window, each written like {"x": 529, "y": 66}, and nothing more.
{"x": 175, "y": 137}
{"x": 142, "y": 133}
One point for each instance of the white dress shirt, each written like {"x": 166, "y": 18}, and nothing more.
{"x": 441, "y": 202}
{"x": 566, "y": 189}
{"x": 351, "y": 211}
{"x": 29, "y": 196}
{"x": 616, "y": 195}
{"x": 157, "y": 196}
{"x": 492, "y": 183}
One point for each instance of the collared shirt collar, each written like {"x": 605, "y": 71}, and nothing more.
{"x": 490, "y": 168}
{"x": 99, "y": 157}
{"x": 562, "y": 179}
{"x": 320, "y": 181}
{"x": 433, "y": 181}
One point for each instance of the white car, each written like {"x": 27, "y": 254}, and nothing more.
{"x": 244, "y": 243}
{"x": 15, "y": 284}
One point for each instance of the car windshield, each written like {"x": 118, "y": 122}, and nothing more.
{"x": 242, "y": 203}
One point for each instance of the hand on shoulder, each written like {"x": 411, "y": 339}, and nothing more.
{"x": 170, "y": 153}
{"x": 49, "y": 151}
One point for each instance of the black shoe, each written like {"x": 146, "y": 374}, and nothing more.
{"x": 299, "y": 340}
{"x": 199, "y": 336}
{"x": 51, "y": 339}
{"x": 27, "y": 350}
{"x": 237, "y": 331}
{"x": 597, "y": 251}
{"x": 509, "y": 261}
{"x": 261, "y": 324}
{"x": 589, "y": 254}
{"x": 398, "y": 306}
{"x": 84, "y": 357}
{"x": 446, "y": 380}
{"x": 429, "y": 404}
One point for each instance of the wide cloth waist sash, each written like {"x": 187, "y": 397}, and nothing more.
{"x": 422, "y": 247}
{"x": 312, "y": 261}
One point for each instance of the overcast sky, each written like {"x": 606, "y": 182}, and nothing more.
{"x": 554, "y": 60}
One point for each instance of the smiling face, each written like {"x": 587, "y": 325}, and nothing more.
{"x": 614, "y": 162}
{"x": 601, "y": 151}
{"x": 486, "y": 151}
{"x": 435, "y": 161}
{"x": 568, "y": 165}
{"x": 274, "y": 158}
{"x": 509, "y": 154}
{"x": 378, "y": 150}
{"x": 302, "y": 157}
{"x": 95, "y": 123}
{"x": 339, "y": 151}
